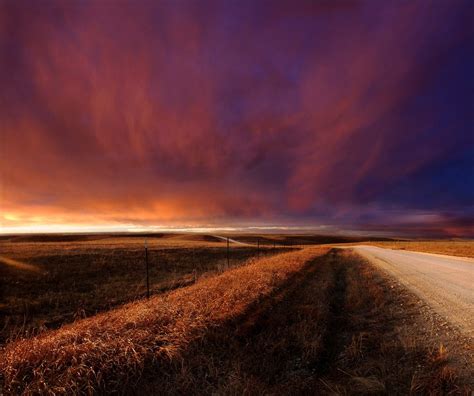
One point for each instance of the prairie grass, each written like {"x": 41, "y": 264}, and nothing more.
{"x": 110, "y": 351}
{"x": 332, "y": 328}
{"x": 46, "y": 281}
{"x": 301, "y": 239}
{"x": 313, "y": 321}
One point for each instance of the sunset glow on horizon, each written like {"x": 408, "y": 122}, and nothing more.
{"x": 328, "y": 116}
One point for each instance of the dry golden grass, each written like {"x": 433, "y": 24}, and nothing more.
{"x": 110, "y": 351}
{"x": 300, "y": 239}
{"x": 450, "y": 248}
{"x": 332, "y": 328}
{"x": 46, "y": 281}
{"x": 305, "y": 322}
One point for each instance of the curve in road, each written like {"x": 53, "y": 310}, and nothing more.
{"x": 232, "y": 240}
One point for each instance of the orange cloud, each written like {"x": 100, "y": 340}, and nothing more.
{"x": 175, "y": 113}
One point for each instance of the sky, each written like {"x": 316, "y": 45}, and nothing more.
{"x": 335, "y": 116}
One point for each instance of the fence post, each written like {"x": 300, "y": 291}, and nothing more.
{"x": 258, "y": 247}
{"x": 147, "y": 272}
{"x": 227, "y": 252}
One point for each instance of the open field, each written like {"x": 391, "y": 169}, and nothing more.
{"x": 47, "y": 281}
{"x": 301, "y": 239}
{"x": 312, "y": 320}
{"x": 119, "y": 345}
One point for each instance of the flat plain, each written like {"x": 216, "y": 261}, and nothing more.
{"x": 51, "y": 280}
{"x": 285, "y": 315}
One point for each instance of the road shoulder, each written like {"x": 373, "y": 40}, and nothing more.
{"x": 427, "y": 324}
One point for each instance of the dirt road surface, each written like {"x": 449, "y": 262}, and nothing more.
{"x": 446, "y": 283}
{"x": 232, "y": 240}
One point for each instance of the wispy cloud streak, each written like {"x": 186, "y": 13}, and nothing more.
{"x": 237, "y": 112}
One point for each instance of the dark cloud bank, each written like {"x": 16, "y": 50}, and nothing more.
{"x": 355, "y": 115}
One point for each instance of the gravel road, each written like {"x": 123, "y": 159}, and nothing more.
{"x": 232, "y": 240}
{"x": 446, "y": 283}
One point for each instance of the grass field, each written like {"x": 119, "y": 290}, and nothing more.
{"x": 49, "y": 281}
{"x": 302, "y": 239}
{"x": 306, "y": 320}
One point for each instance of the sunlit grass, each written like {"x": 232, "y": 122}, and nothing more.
{"x": 18, "y": 265}
{"x": 112, "y": 349}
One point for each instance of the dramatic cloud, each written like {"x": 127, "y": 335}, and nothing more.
{"x": 355, "y": 115}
